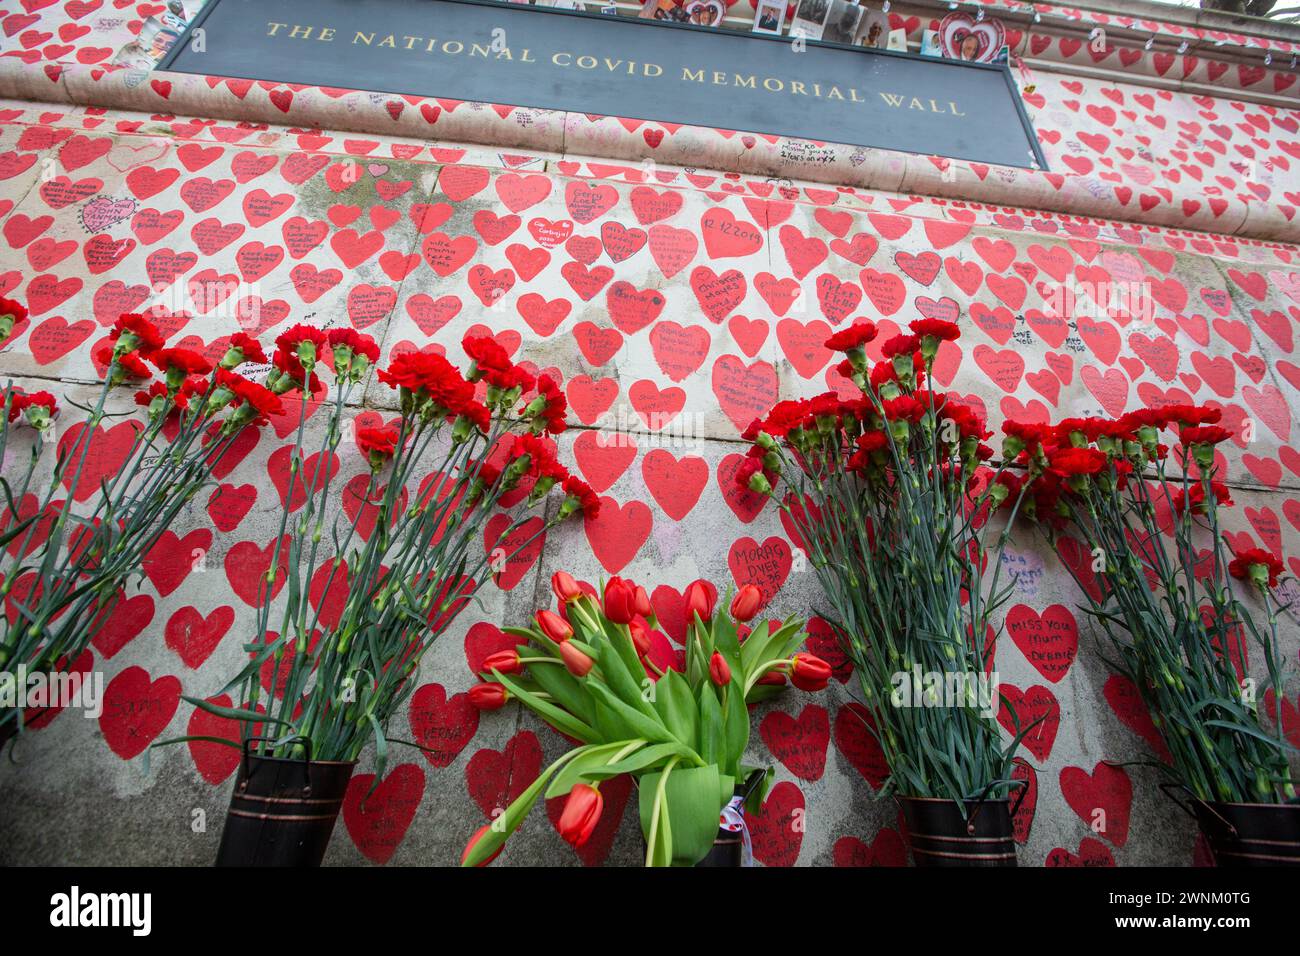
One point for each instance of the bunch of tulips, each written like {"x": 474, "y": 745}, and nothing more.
{"x": 680, "y": 730}
{"x": 1160, "y": 587}
{"x": 888, "y": 494}
{"x": 66, "y": 561}
{"x": 367, "y": 593}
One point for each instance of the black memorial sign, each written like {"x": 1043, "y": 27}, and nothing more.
{"x": 518, "y": 55}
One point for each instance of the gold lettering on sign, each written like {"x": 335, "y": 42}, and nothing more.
{"x": 594, "y": 63}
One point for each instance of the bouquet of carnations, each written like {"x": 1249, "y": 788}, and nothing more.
{"x": 681, "y": 734}
{"x": 887, "y": 493}
{"x": 1157, "y": 574}
{"x": 366, "y": 590}
{"x": 66, "y": 561}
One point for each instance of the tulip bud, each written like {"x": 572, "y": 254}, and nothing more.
{"x": 565, "y": 587}
{"x": 809, "y": 673}
{"x": 488, "y": 696}
{"x": 772, "y": 679}
{"x": 699, "y": 600}
{"x": 554, "y": 626}
{"x": 746, "y": 602}
{"x": 473, "y": 841}
{"x": 507, "y": 662}
{"x": 641, "y": 602}
{"x": 577, "y": 662}
{"x": 620, "y": 601}
{"x": 640, "y": 637}
{"x": 581, "y": 814}
{"x": 719, "y": 672}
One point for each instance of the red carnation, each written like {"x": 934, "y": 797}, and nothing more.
{"x": 935, "y": 329}
{"x": 1257, "y": 566}
{"x": 854, "y": 337}
{"x": 1071, "y": 461}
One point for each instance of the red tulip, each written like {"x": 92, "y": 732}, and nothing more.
{"x": 577, "y": 662}
{"x": 640, "y": 637}
{"x": 641, "y": 601}
{"x": 746, "y": 602}
{"x": 719, "y": 672}
{"x": 581, "y": 814}
{"x": 773, "y": 679}
{"x": 507, "y": 662}
{"x": 699, "y": 600}
{"x": 488, "y": 696}
{"x": 478, "y": 835}
{"x": 554, "y": 626}
{"x": 809, "y": 672}
{"x": 565, "y": 587}
{"x": 620, "y": 601}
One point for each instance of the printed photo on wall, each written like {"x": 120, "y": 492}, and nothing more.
{"x": 930, "y": 43}
{"x": 705, "y": 13}
{"x": 669, "y": 10}
{"x": 898, "y": 40}
{"x": 810, "y": 18}
{"x": 769, "y": 17}
{"x": 156, "y": 36}
{"x": 976, "y": 41}
{"x": 873, "y": 29}
{"x": 842, "y": 22}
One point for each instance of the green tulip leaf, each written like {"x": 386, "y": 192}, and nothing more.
{"x": 613, "y": 714}
{"x": 588, "y": 766}
{"x": 566, "y": 689}
{"x": 558, "y": 718}
{"x": 687, "y": 803}
{"x": 676, "y": 706}
{"x": 713, "y": 746}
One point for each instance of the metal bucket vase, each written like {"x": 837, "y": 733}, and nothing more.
{"x": 728, "y": 850}
{"x": 1251, "y": 834}
{"x": 941, "y": 835}
{"x": 282, "y": 812}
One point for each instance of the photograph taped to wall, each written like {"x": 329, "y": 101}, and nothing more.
{"x": 156, "y": 36}
{"x": 769, "y": 17}
{"x": 873, "y": 29}
{"x": 669, "y": 10}
{"x": 842, "y": 22}
{"x": 810, "y": 18}
{"x": 705, "y": 13}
